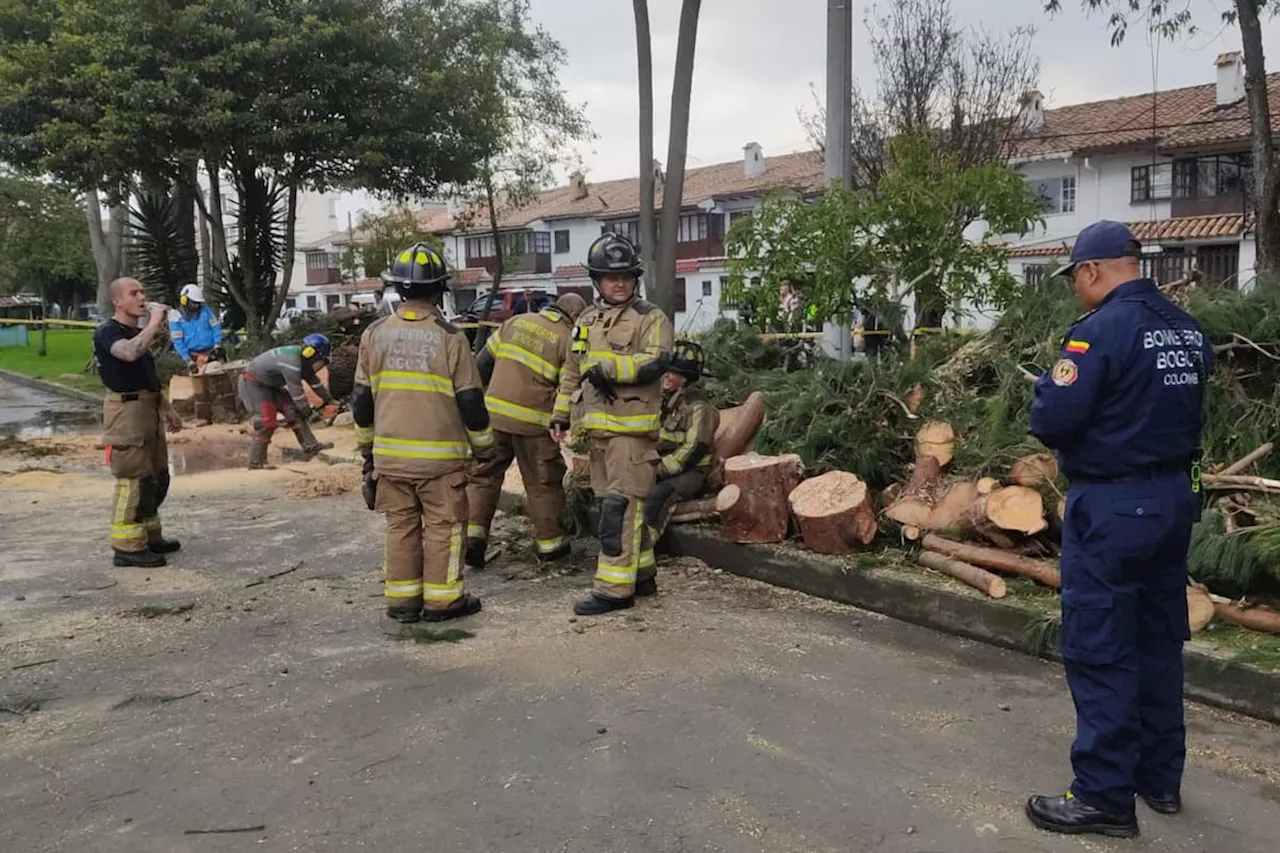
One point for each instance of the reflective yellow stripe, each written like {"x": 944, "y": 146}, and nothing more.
{"x": 477, "y": 531}
{"x": 515, "y": 411}
{"x": 407, "y": 380}
{"x": 534, "y": 362}
{"x": 670, "y": 465}
{"x": 152, "y": 524}
{"x": 672, "y": 437}
{"x": 121, "y": 532}
{"x": 483, "y": 438}
{"x": 562, "y": 405}
{"x": 647, "y": 560}
{"x": 624, "y": 366}
{"x": 364, "y": 435}
{"x": 455, "y": 555}
{"x": 546, "y": 546}
{"x": 442, "y": 591}
{"x": 421, "y": 449}
{"x": 615, "y": 574}
{"x": 620, "y": 423}
{"x": 402, "y": 589}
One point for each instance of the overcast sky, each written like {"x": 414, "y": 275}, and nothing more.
{"x": 756, "y": 60}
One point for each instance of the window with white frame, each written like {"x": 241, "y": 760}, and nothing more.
{"x": 1057, "y": 195}
{"x": 706, "y": 288}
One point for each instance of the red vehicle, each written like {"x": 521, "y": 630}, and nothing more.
{"x": 505, "y": 304}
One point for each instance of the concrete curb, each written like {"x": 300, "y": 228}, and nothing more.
{"x": 52, "y": 387}
{"x": 1209, "y": 679}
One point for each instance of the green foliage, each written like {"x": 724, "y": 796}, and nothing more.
{"x": 162, "y": 254}
{"x": 872, "y": 248}
{"x": 1227, "y": 563}
{"x": 380, "y": 237}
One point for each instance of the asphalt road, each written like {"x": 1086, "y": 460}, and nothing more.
{"x": 30, "y": 412}
{"x": 725, "y": 716}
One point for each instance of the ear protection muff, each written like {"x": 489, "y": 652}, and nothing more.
{"x": 183, "y": 300}
{"x": 308, "y": 352}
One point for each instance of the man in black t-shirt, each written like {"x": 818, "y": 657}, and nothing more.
{"x": 135, "y": 416}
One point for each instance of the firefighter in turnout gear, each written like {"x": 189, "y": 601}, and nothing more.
{"x": 272, "y": 385}
{"x": 420, "y": 420}
{"x": 520, "y": 366}
{"x": 613, "y": 380}
{"x": 135, "y": 416}
{"x": 689, "y": 423}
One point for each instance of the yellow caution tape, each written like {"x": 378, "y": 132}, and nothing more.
{"x": 15, "y": 321}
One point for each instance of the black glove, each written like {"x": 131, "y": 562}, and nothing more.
{"x": 192, "y": 367}
{"x": 601, "y": 382}
{"x": 369, "y": 487}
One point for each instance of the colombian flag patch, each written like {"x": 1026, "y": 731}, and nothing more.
{"x": 1078, "y": 347}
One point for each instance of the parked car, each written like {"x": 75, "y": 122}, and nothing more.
{"x": 505, "y": 304}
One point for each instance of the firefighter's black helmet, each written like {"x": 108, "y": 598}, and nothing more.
{"x": 418, "y": 272}
{"x": 688, "y": 360}
{"x": 613, "y": 254}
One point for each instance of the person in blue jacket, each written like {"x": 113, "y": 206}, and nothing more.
{"x": 1123, "y": 409}
{"x": 194, "y": 329}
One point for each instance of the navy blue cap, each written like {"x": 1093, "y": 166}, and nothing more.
{"x": 1102, "y": 241}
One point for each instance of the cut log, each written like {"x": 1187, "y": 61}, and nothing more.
{"x": 955, "y": 501}
{"x": 1245, "y": 461}
{"x": 992, "y": 585}
{"x": 738, "y": 427}
{"x": 914, "y": 398}
{"x": 1033, "y": 470}
{"x": 910, "y": 512}
{"x": 924, "y": 478}
{"x": 1255, "y": 618}
{"x": 1013, "y": 509}
{"x": 757, "y": 510}
{"x": 890, "y": 493}
{"x": 1200, "y": 608}
{"x": 701, "y": 509}
{"x": 834, "y": 512}
{"x": 911, "y": 532}
{"x": 990, "y": 558}
{"x": 987, "y": 485}
{"x": 936, "y": 439}
{"x": 1239, "y": 481}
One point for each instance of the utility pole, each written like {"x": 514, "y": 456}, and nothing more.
{"x": 836, "y": 338}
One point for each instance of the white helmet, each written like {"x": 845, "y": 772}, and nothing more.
{"x": 192, "y": 293}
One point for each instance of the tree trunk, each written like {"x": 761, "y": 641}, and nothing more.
{"x": 185, "y": 193}
{"x": 211, "y": 214}
{"x": 482, "y": 333}
{"x": 106, "y": 248}
{"x": 735, "y": 435}
{"x": 648, "y": 225}
{"x": 44, "y": 326}
{"x": 677, "y": 150}
{"x": 957, "y": 499}
{"x": 290, "y": 248}
{"x": 1033, "y": 470}
{"x": 834, "y": 512}
{"x": 936, "y": 439}
{"x": 753, "y": 505}
{"x": 1266, "y": 200}
{"x": 1013, "y": 509}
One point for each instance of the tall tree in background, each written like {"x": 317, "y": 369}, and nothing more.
{"x": 44, "y": 247}
{"x": 1173, "y": 20}
{"x": 269, "y": 97}
{"x": 958, "y": 89}
{"x": 380, "y": 237}
{"x": 528, "y": 122}
{"x": 677, "y": 151}
{"x": 648, "y": 166}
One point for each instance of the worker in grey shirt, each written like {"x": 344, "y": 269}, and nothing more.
{"x": 272, "y": 385}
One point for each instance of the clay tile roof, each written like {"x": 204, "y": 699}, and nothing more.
{"x": 570, "y": 271}
{"x": 1183, "y": 118}
{"x": 1155, "y": 231}
{"x": 608, "y": 199}
{"x": 434, "y": 221}
{"x": 469, "y": 276}
{"x": 1051, "y": 250}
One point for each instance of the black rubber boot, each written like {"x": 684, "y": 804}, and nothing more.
{"x": 258, "y": 455}
{"x": 1070, "y": 816}
{"x": 1163, "y": 803}
{"x": 397, "y": 622}
{"x": 646, "y": 587}
{"x": 468, "y": 605}
{"x": 595, "y": 605}
{"x": 307, "y": 440}
{"x": 163, "y": 546}
{"x": 138, "y": 559}
{"x": 474, "y": 556}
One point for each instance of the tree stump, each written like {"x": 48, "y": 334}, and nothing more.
{"x": 913, "y": 506}
{"x": 1013, "y": 509}
{"x": 753, "y": 504}
{"x": 1200, "y": 608}
{"x": 834, "y": 512}
{"x": 735, "y": 434}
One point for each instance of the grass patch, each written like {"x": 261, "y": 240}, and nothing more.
{"x": 69, "y": 350}
{"x": 427, "y": 636}
{"x": 1252, "y": 648}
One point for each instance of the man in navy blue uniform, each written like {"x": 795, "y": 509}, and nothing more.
{"x": 1122, "y": 407}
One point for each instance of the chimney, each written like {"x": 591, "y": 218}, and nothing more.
{"x": 578, "y": 183}
{"x": 1031, "y": 111}
{"x": 658, "y": 175}
{"x": 752, "y": 160}
{"x": 1230, "y": 78}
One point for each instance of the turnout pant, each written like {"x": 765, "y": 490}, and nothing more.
{"x": 424, "y": 545}
{"x": 133, "y": 434}
{"x": 661, "y": 504}
{"x": 542, "y": 471}
{"x": 1124, "y": 620}
{"x": 623, "y": 468}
